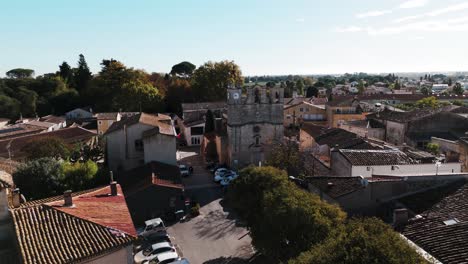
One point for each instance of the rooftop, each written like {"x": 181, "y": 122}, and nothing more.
{"x": 187, "y": 107}
{"x": 51, "y": 233}
{"x": 159, "y": 120}
{"x": 53, "y": 119}
{"x": 340, "y": 138}
{"x": 441, "y": 228}
{"x": 376, "y": 157}
{"x": 336, "y": 187}
{"x": 69, "y": 135}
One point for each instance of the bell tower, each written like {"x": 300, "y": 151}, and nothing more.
{"x": 255, "y": 121}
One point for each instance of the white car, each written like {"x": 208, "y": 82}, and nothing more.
{"x": 228, "y": 175}
{"x": 153, "y": 226}
{"x": 221, "y": 171}
{"x": 164, "y": 258}
{"x": 153, "y": 252}
{"x": 184, "y": 170}
{"x": 225, "y": 182}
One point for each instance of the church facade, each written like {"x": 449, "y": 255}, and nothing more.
{"x": 254, "y": 123}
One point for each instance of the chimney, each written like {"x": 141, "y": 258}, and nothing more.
{"x": 16, "y": 198}
{"x": 113, "y": 187}
{"x": 400, "y": 217}
{"x": 67, "y": 198}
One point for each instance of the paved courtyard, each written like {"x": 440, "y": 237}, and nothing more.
{"x": 214, "y": 236}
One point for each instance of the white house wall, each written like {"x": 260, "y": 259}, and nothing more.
{"x": 405, "y": 170}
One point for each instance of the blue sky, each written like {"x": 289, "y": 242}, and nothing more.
{"x": 263, "y": 37}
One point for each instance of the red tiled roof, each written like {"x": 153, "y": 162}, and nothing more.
{"x": 100, "y": 207}
{"x": 159, "y": 120}
{"x": 96, "y": 225}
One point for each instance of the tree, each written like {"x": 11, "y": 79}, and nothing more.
{"x": 20, "y": 73}
{"x": 267, "y": 200}
{"x": 449, "y": 81}
{"x": 458, "y": 89}
{"x": 51, "y": 147}
{"x": 300, "y": 87}
{"x": 9, "y": 107}
{"x": 397, "y": 85}
{"x": 79, "y": 175}
{"x": 286, "y": 156}
{"x": 65, "y": 72}
{"x": 28, "y": 100}
{"x": 312, "y": 91}
{"x": 433, "y": 148}
{"x": 211, "y": 80}
{"x": 362, "y": 241}
{"x": 183, "y": 69}
{"x": 39, "y": 178}
{"x": 428, "y": 102}
{"x": 425, "y": 90}
{"x": 82, "y": 74}
{"x": 209, "y": 122}
{"x": 361, "y": 87}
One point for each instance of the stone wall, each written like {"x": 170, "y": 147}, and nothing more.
{"x": 254, "y": 122}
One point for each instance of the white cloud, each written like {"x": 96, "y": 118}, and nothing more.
{"x": 454, "y": 25}
{"x": 300, "y": 20}
{"x": 453, "y": 8}
{"x": 449, "y": 9}
{"x": 414, "y": 3}
{"x": 374, "y": 13}
{"x": 349, "y": 29}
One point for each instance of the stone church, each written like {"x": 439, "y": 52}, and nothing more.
{"x": 254, "y": 122}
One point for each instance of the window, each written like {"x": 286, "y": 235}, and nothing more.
{"x": 100, "y": 122}
{"x": 257, "y": 141}
{"x": 139, "y": 145}
{"x": 195, "y": 141}
{"x": 197, "y": 131}
{"x": 301, "y": 109}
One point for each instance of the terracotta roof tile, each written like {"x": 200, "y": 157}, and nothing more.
{"x": 159, "y": 120}
{"x": 51, "y": 233}
{"x": 447, "y": 243}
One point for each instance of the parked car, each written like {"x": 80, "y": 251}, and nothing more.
{"x": 153, "y": 226}
{"x": 182, "y": 261}
{"x": 153, "y": 252}
{"x": 164, "y": 258}
{"x": 221, "y": 171}
{"x": 222, "y": 176}
{"x": 145, "y": 242}
{"x": 225, "y": 182}
{"x": 184, "y": 170}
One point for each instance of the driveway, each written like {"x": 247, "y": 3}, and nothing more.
{"x": 214, "y": 236}
{"x": 201, "y": 177}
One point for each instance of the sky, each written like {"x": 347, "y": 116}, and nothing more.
{"x": 264, "y": 37}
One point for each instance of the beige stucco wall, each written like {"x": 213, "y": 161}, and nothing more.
{"x": 395, "y": 132}
{"x": 294, "y": 115}
{"x": 160, "y": 148}
{"x": 120, "y": 157}
{"x": 103, "y": 125}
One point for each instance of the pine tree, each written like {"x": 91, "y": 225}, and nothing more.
{"x": 82, "y": 75}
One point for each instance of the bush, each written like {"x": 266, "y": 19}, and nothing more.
{"x": 79, "y": 176}
{"x": 39, "y": 178}
{"x": 195, "y": 210}
{"x": 47, "y": 147}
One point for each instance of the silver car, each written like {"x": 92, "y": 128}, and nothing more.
{"x": 153, "y": 252}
